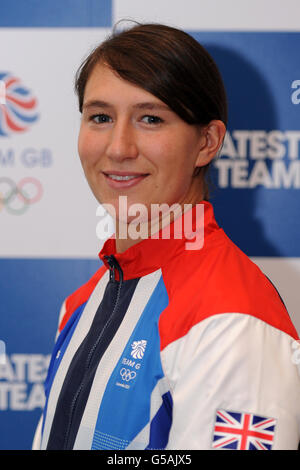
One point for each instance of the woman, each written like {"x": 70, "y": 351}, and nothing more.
{"x": 172, "y": 344}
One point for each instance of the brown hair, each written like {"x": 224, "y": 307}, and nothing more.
{"x": 168, "y": 63}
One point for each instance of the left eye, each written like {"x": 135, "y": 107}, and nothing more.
{"x": 152, "y": 119}
{"x": 100, "y": 118}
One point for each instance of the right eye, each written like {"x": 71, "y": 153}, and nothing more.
{"x": 100, "y": 118}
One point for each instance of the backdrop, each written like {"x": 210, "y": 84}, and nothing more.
{"x": 48, "y": 220}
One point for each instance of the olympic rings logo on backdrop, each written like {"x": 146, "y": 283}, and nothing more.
{"x": 16, "y": 198}
{"x": 127, "y": 374}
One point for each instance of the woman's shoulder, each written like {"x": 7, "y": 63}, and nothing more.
{"x": 221, "y": 279}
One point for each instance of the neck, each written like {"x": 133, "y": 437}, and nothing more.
{"x": 129, "y": 234}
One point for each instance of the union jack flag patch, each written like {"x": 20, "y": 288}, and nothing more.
{"x": 243, "y": 431}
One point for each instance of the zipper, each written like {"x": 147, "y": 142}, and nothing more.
{"x": 113, "y": 265}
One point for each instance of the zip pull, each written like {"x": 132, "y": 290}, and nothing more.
{"x": 113, "y": 265}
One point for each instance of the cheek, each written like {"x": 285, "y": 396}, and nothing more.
{"x": 82, "y": 145}
{"x": 87, "y": 148}
{"x": 160, "y": 152}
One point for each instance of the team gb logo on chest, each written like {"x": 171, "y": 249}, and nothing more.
{"x": 138, "y": 349}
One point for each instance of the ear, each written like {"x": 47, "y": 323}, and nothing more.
{"x": 211, "y": 139}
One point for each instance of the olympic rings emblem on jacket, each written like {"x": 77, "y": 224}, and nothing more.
{"x": 16, "y": 198}
{"x": 127, "y": 374}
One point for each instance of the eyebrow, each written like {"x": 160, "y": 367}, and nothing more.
{"x": 142, "y": 105}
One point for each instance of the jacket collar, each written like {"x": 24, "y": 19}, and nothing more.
{"x": 188, "y": 231}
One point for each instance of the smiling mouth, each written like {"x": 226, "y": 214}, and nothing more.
{"x": 122, "y": 179}
{"x": 118, "y": 176}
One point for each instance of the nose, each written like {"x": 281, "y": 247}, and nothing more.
{"x": 122, "y": 142}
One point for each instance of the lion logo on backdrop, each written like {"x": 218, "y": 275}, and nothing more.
{"x": 18, "y": 106}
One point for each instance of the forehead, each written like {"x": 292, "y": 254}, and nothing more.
{"x": 105, "y": 84}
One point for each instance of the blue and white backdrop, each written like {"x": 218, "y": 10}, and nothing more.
{"x": 48, "y": 242}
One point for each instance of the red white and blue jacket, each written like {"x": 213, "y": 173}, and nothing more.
{"x": 169, "y": 348}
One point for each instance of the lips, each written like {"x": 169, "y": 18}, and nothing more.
{"x": 121, "y": 179}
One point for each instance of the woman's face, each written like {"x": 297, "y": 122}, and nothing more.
{"x": 132, "y": 144}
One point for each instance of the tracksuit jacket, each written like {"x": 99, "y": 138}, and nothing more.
{"x": 173, "y": 348}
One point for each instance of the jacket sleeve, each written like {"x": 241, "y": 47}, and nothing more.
{"x": 37, "y": 435}
{"x": 38, "y": 431}
{"x": 235, "y": 384}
